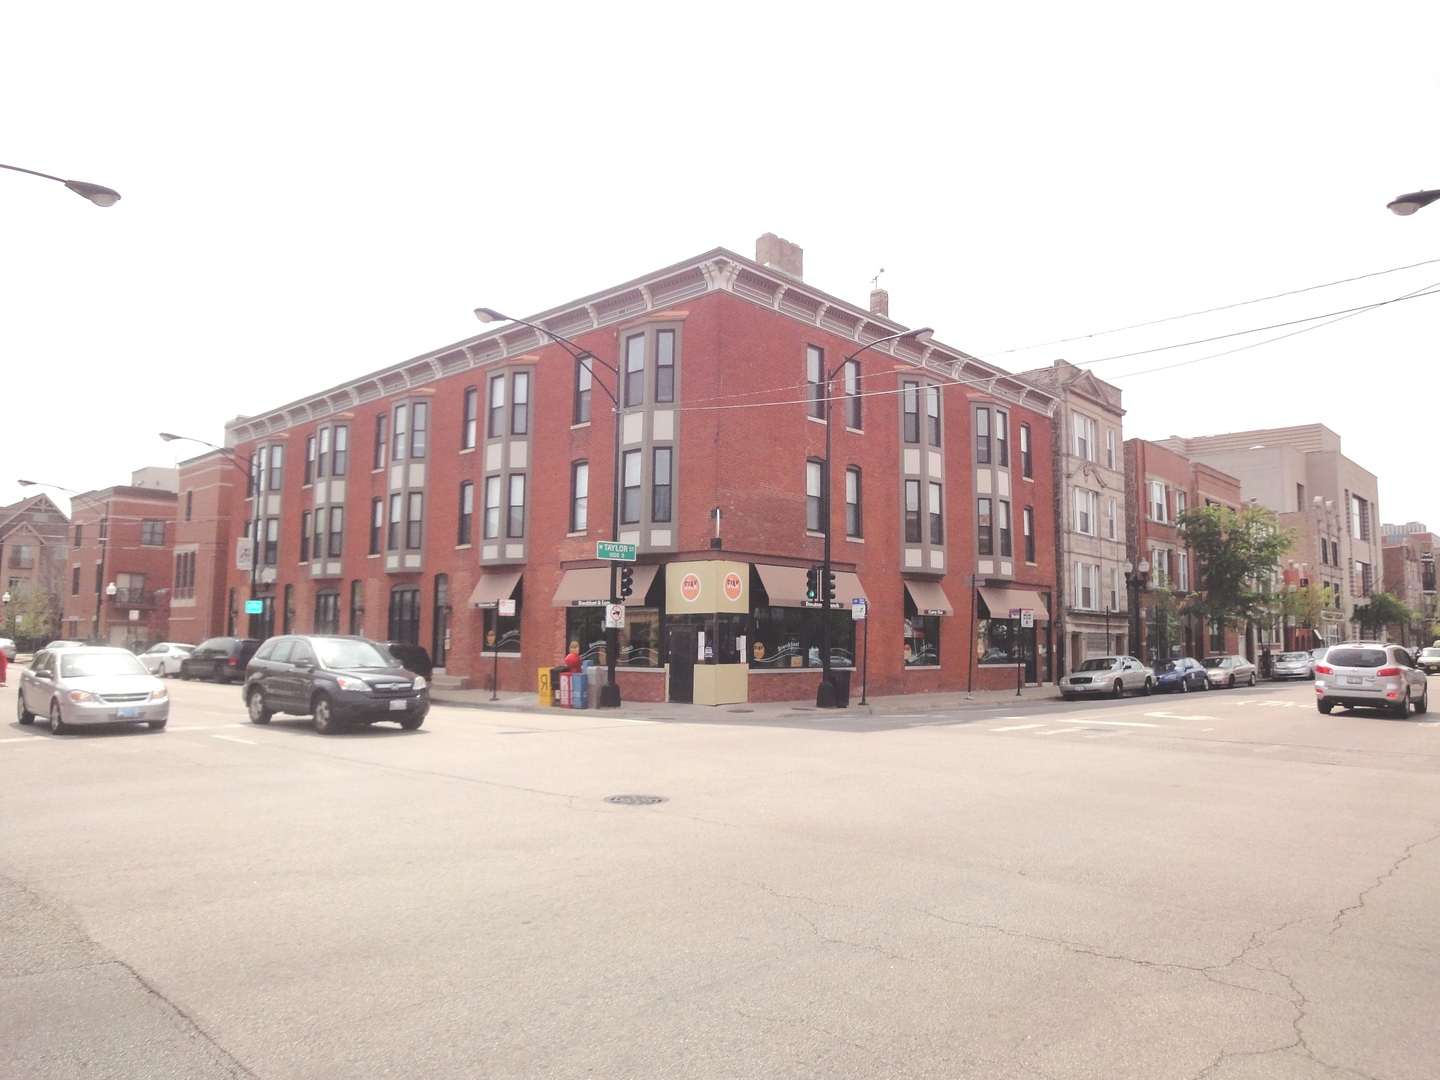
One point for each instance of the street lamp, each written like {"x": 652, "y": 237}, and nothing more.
{"x": 610, "y": 692}
{"x": 1405, "y": 205}
{"x": 103, "y": 542}
{"x": 1136, "y": 578}
{"x": 100, "y": 196}
{"x": 825, "y": 693}
{"x": 247, "y": 466}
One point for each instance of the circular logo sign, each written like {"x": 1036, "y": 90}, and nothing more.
{"x": 733, "y": 586}
{"x": 690, "y": 588}
{"x": 759, "y": 650}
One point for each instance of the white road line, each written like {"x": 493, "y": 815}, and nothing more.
{"x": 22, "y": 738}
{"x": 232, "y": 738}
{"x": 1017, "y": 727}
{"x": 1059, "y": 731}
{"x": 1122, "y": 723}
{"x": 628, "y": 720}
{"x": 1180, "y": 716}
{"x": 1103, "y": 735}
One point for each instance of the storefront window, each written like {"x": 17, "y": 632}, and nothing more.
{"x": 639, "y": 638}
{"x": 922, "y": 640}
{"x": 723, "y": 634}
{"x": 791, "y": 638}
{"x": 502, "y": 632}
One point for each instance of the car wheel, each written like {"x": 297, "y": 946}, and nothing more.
{"x": 412, "y": 723}
{"x": 57, "y": 722}
{"x": 1252, "y": 678}
{"x": 1184, "y": 686}
{"x": 156, "y": 725}
{"x": 184, "y": 675}
{"x": 1068, "y": 697}
{"x": 1231, "y": 684}
{"x": 260, "y": 713}
{"x": 1325, "y": 706}
{"x": 1402, "y": 710}
{"x": 325, "y": 722}
{"x": 1149, "y": 688}
{"x": 1119, "y": 690}
{"x": 1423, "y": 705}
{"x": 24, "y": 715}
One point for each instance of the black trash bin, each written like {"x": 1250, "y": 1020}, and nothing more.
{"x": 840, "y": 680}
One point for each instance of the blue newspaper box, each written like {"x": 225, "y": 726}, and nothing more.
{"x": 579, "y": 690}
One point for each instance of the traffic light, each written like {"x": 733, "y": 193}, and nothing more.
{"x": 627, "y": 581}
{"x": 812, "y": 583}
{"x": 830, "y": 587}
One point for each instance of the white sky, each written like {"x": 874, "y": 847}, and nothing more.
{"x": 315, "y": 191}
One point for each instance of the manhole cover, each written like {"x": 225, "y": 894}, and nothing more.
{"x": 635, "y": 800}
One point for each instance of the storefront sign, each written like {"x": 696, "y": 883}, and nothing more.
{"x": 690, "y": 588}
{"x": 734, "y": 586}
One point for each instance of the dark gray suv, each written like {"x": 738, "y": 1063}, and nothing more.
{"x": 337, "y": 680}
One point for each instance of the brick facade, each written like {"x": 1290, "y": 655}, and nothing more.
{"x": 124, "y": 538}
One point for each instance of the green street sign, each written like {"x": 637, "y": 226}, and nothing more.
{"x": 608, "y": 549}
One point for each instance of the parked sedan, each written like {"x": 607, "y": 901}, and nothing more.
{"x": 1293, "y": 665}
{"x": 164, "y": 658}
{"x": 7, "y": 646}
{"x": 1229, "y": 670}
{"x": 1363, "y": 674}
{"x": 1428, "y": 661}
{"x": 1182, "y": 675}
{"x": 222, "y": 659}
{"x": 337, "y": 680}
{"x": 93, "y": 684}
{"x": 1111, "y": 675}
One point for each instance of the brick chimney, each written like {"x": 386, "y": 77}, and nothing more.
{"x": 780, "y": 255}
{"x": 879, "y": 302}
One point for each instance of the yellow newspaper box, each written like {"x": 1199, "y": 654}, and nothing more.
{"x": 547, "y": 692}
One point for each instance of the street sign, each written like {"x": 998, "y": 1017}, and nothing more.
{"x": 244, "y": 553}
{"x": 609, "y": 549}
{"x": 857, "y": 609}
{"x": 1027, "y": 618}
{"x": 507, "y": 608}
{"x": 254, "y": 607}
{"x": 614, "y": 616}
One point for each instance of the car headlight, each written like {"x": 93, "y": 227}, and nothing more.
{"x": 78, "y": 696}
{"x": 159, "y": 694}
{"x": 347, "y": 683}
{"x": 419, "y": 682}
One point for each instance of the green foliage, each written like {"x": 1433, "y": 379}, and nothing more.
{"x": 1380, "y": 610}
{"x": 1235, "y": 554}
{"x": 30, "y": 617}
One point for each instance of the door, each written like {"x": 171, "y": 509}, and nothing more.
{"x": 440, "y": 637}
{"x": 683, "y": 643}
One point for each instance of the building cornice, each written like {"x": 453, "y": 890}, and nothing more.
{"x": 718, "y": 270}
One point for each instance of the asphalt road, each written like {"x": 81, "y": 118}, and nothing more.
{"x": 1224, "y": 885}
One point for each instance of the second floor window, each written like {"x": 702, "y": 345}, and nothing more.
{"x": 1027, "y": 520}
{"x": 660, "y": 484}
{"x": 304, "y": 535}
{"x": 937, "y": 515}
{"x": 152, "y": 533}
{"x": 814, "y": 497}
{"x": 515, "y": 525}
{"x": 1157, "y": 501}
{"x": 1085, "y": 510}
{"x": 75, "y": 581}
{"x": 317, "y": 548}
{"x": 854, "y": 521}
{"x": 272, "y": 541}
{"x": 985, "y": 526}
{"x": 1006, "y": 544}
{"x": 467, "y": 512}
{"x": 414, "y": 520}
{"x": 491, "y": 528}
{"x": 579, "y": 496}
{"x": 377, "y": 524}
{"x": 337, "y": 531}
{"x": 630, "y": 490}
{"x": 397, "y": 521}
{"x": 912, "y": 511}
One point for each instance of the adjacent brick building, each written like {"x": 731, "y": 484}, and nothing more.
{"x": 421, "y": 502}
{"x": 210, "y": 500}
{"x": 33, "y": 532}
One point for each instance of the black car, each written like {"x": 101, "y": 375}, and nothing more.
{"x": 412, "y": 657}
{"x": 220, "y": 659}
{"x": 337, "y": 680}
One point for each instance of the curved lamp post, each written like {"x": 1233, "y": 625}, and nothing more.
{"x": 1405, "y": 205}
{"x": 610, "y": 692}
{"x": 825, "y": 693}
{"x": 96, "y": 193}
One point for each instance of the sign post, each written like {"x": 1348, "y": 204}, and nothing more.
{"x": 860, "y": 612}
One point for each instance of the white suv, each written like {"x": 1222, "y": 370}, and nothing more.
{"x": 1368, "y": 674}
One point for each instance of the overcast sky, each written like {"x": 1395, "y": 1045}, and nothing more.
{"x": 315, "y": 191}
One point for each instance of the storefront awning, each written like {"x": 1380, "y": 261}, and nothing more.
{"x": 494, "y": 587}
{"x": 785, "y": 585}
{"x": 929, "y": 597}
{"x": 590, "y": 586}
{"x": 1003, "y": 601}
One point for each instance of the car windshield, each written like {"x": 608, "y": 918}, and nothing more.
{"x": 1217, "y": 661}
{"x": 1168, "y": 665}
{"x": 1297, "y": 656}
{"x": 1100, "y": 663}
{"x": 117, "y": 663}
{"x": 351, "y": 654}
{"x": 1365, "y": 658}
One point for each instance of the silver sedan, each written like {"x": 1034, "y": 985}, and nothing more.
{"x": 91, "y": 685}
{"x": 1107, "y": 675}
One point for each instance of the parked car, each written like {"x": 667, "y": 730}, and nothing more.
{"x": 337, "y": 680}
{"x": 1293, "y": 665}
{"x": 7, "y": 646}
{"x": 220, "y": 659}
{"x": 64, "y": 643}
{"x": 1182, "y": 675}
{"x": 1111, "y": 675}
{"x": 1229, "y": 670}
{"x": 93, "y": 684}
{"x": 1365, "y": 674}
{"x": 412, "y": 657}
{"x": 1428, "y": 661}
{"x": 164, "y": 658}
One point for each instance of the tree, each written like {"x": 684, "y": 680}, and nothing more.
{"x": 1235, "y": 556}
{"x": 30, "y": 617}
{"x": 1380, "y": 610}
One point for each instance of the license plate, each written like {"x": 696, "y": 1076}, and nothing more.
{"x": 1353, "y": 680}
{"x": 127, "y": 712}
{"x": 397, "y": 705}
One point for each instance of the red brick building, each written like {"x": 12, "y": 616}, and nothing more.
{"x": 119, "y": 563}
{"x": 211, "y": 498}
{"x": 33, "y": 536}
{"x": 419, "y": 502}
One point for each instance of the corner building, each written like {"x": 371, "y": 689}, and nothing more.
{"x": 456, "y": 500}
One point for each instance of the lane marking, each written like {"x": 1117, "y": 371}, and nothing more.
{"x": 1017, "y": 727}
{"x": 1061, "y": 731}
{"x": 1180, "y": 716}
{"x": 1123, "y": 723}
{"x": 233, "y": 738}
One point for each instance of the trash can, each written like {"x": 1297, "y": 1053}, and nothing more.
{"x": 840, "y": 680}
{"x": 561, "y": 676}
{"x": 579, "y": 690}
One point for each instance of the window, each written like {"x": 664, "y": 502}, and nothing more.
{"x": 852, "y": 395}
{"x": 1360, "y": 520}
{"x": 1025, "y": 460}
{"x": 397, "y": 518}
{"x": 660, "y": 484}
{"x": 152, "y": 533}
{"x": 402, "y": 425}
{"x": 630, "y": 488}
{"x": 337, "y": 531}
{"x": 985, "y": 526}
{"x": 1180, "y": 503}
{"x": 515, "y": 518}
{"x": 1160, "y": 567}
{"x": 79, "y": 533}
{"x": 318, "y": 544}
{"x": 327, "y": 612}
{"x": 289, "y": 609}
{"x": 469, "y": 418}
{"x": 304, "y": 535}
{"x": 309, "y": 459}
{"x": 1084, "y": 437}
{"x": 272, "y": 541}
{"x": 1113, "y": 604}
{"x": 910, "y": 405}
{"x": 853, "y": 520}
{"x": 664, "y": 367}
{"x": 75, "y": 581}
{"x": 815, "y": 382}
{"x": 937, "y": 515}
{"x": 419, "y": 429}
{"x": 1006, "y": 543}
{"x": 467, "y": 513}
{"x": 912, "y": 511}
{"x": 492, "y": 507}
{"x": 1085, "y": 585}
{"x": 1112, "y": 524}
{"x": 579, "y": 496}
{"x": 342, "y": 450}
{"x": 189, "y": 504}
{"x": 382, "y": 440}
{"x": 982, "y": 436}
{"x": 932, "y": 414}
{"x": 404, "y": 621}
{"x": 495, "y": 419}
{"x": 1085, "y": 512}
{"x": 1157, "y": 501}
{"x": 584, "y": 383}
{"x": 414, "y": 520}
{"x": 814, "y": 495}
{"x": 1002, "y": 438}
{"x": 184, "y": 576}
{"x": 1182, "y": 571}
{"x": 1299, "y": 496}
{"x": 520, "y": 404}
{"x": 377, "y": 524}
{"x": 322, "y": 459}
{"x": 357, "y": 607}
{"x": 1110, "y": 448}
{"x": 635, "y": 370}
{"x": 1027, "y": 523}
{"x": 277, "y": 458}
